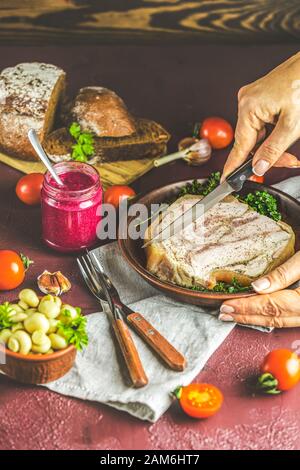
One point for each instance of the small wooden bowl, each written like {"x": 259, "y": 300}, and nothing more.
{"x": 36, "y": 368}
{"x": 135, "y": 255}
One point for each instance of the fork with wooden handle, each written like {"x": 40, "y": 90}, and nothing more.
{"x": 173, "y": 358}
{"x": 130, "y": 354}
{"x": 134, "y": 365}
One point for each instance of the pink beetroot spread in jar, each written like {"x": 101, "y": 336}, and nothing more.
{"x": 71, "y": 213}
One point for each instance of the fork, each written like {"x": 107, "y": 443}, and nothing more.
{"x": 173, "y": 358}
{"x": 128, "y": 349}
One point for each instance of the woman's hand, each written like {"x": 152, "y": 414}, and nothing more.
{"x": 274, "y": 99}
{"x": 275, "y": 305}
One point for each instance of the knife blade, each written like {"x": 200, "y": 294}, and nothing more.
{"x": 233, "y": 183}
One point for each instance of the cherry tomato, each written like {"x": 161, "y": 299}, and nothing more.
{"x": 200, "y": 400}
{"x": 284, "y": 366}
{"x": 257, "y": 179}
{"x": 12, "y": 270}
{"x": 117, "y": 193}
{"x": 217, "y": 131}
{"x": 29, "y": 187}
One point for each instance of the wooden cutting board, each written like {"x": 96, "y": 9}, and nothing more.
{"x": 122, "y": 172}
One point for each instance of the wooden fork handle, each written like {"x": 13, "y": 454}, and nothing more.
{"x": 173, "y": 358}
{"x": 130, "y": 354}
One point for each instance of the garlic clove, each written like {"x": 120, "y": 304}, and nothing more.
{"x": 53, "y": 283}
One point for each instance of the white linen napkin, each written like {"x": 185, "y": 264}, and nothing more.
{"x": 99, "y": 373}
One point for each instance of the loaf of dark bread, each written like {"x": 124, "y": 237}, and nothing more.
{"x": 149, "y": 141}
{"x": 102, "y": 112}
{"x": 29, "y": 95}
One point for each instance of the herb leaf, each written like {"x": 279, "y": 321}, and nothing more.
{"x": 75, "y": 130}
{"x": 84, "y": 148}
{"x": 5, "y": 317}
{"x": 75, "y": 331}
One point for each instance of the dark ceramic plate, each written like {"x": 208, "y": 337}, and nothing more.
{"x": 134, "y": 254}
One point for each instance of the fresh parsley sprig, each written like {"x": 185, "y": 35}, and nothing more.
{"x": 225, "y": 288}
{"x": 201, "y": 189}
{"x": 84, "y": 148}
{"x": 5, "y": 315}
{"x": 263, "y": 203}
{"x": 74, "y": 330}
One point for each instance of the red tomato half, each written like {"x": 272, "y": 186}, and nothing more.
{"x": 116, "y": 194}
{"x": 217, "y": 131}
{"x": 200, "y": 400}
{"x": 29, "y": 188}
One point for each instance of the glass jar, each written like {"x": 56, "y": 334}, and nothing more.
{"x": 70, "y": 213}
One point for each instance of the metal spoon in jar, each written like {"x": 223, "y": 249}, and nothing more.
{"x": 34, "y": 140}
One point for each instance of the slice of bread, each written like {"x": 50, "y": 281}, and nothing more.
{"x": 29, "y": 95}
{"x": 149, "y": 141}
{"x": 231, "y": 242}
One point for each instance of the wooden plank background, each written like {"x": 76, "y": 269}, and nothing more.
{"x": 148, "y": 21}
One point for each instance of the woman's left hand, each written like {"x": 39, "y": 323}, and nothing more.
{"x": 275, "y": 306}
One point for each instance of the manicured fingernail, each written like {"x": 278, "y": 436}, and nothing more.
{"x": 261, "y": 167}
{"x": 226, "y": 309}
{"x": 261, "y": 284}
{"x": 225, "y": 317}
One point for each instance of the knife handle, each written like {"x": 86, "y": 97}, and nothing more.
{"x": 130, "y": 354}
{"x": 156, "y": 341}
{"x": 238, "y": 177}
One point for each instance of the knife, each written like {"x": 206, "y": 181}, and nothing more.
{"x": 233, "y": 183}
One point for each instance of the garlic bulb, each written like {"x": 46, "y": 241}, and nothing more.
{"x": 194, "y": 151}
{"x": 197, "y": 153}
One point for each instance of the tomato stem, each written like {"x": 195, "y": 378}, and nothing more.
{"x": 177, "y": 393}
{"x": 26, "y": 261}
{"x": 196, "y": 129}
{"x": 267, "y": 383}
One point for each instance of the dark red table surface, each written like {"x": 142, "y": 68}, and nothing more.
{"x": 176, "y": 85}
